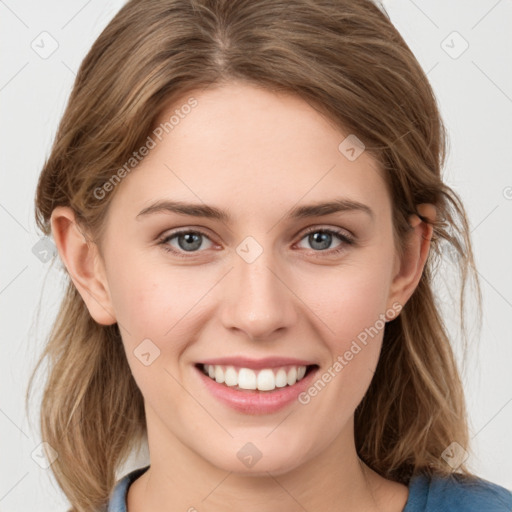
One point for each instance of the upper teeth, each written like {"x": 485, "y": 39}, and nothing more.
{"x": 264, "y": 380}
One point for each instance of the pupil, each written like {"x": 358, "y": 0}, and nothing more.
{"x": 322, "y": 238}
{"x": 189, "y": 237}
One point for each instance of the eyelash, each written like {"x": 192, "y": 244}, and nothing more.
{"x": 346, "y": 239}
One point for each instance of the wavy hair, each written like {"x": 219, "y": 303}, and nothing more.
{"x": 347, "y": 60}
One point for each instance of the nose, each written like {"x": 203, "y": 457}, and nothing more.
{"x": 258, "y": 299}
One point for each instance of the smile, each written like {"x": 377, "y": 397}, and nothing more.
{"x": 265, "y": 379}
{"x": 270, "y": 385}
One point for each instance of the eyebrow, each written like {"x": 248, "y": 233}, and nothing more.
{"x": 298, "y": 212}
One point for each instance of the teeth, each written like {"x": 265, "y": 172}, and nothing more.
{"x": 219, "y": 374}
{"x": 263, "y": 380}
{"x": 292, "y": 376}
{"x": 247, "y": 379}
{"x": 266, "y": 380}
{"x": 230, "y": 377}
{"x": 282, "y": 378}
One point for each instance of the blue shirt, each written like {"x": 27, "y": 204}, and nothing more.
{"x": 425, "y": 495}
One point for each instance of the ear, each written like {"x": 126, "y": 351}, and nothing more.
{"x": 407, "y": 271}
{"x": 83, "y": 263}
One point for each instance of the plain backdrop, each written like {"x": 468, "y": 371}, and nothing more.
{"x": 466, "y": 49}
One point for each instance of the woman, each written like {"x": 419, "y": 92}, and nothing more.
{"x": 207, "y": 148}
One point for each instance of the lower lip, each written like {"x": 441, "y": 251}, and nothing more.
{"x": 254, "y": 401}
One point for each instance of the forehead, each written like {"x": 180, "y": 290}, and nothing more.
{"x": 251, "y": 149}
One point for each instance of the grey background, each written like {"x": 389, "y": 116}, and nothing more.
{"x": 474, "y": 90}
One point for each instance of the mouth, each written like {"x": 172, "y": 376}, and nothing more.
{"x": 256, "y": 387}
{"x": 261, "y": 380}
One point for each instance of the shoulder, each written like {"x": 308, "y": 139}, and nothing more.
{"x": 456, "y": 493}
{"x": 117, "y": 500}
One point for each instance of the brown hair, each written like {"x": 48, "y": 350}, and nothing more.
{"x": 347, "y": 60}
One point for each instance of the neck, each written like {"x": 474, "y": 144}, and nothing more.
{"x": 180, "y": 480}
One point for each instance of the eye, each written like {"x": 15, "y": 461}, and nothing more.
{"x": 320, "y": 239}
{"x": 188, "y": 241}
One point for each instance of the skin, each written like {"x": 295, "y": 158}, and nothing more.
{"x": 256, "y": 154}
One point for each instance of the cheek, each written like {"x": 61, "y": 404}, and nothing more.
{"x": 145, "y": 305}
{"x": 157, "y": 302}
{"x": 346, "y": 301}
{"x": 152, "y": 315}
{"x": 349, "y": 307}
{"x": 137, "y": 299}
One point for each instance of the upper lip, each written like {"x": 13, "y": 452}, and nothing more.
{"x": 256, "y": 364}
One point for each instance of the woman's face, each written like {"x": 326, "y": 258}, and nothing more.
{"x": 263, "y": 281}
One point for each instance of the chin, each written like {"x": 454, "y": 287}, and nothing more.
{"x": 274, "y": 463}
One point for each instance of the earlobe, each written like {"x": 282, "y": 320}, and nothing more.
{"x": 83, "y": 263}
{"x": 411, "y": 266}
